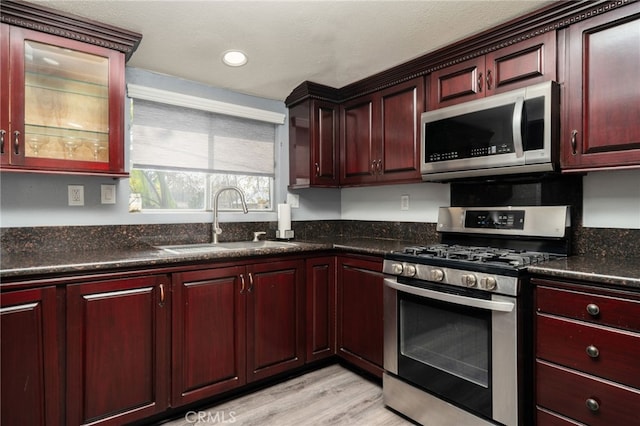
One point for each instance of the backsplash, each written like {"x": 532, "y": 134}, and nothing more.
{"x": 599, "y": 242}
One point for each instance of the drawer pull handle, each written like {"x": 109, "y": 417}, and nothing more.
{"x": 592, "y": 351}
{"x": 592, "y": 404}
{"x": 593, "y": 309}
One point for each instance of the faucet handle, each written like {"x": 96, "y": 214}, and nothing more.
{"x": 256, "y": 235}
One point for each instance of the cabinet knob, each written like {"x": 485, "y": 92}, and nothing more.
{"x": 592, "y": 404}
{"x": 592, "y": 351}
{"x": 317, "y": 170}
{"x": 593, "y": 309}
{"x": 480, "y": 82}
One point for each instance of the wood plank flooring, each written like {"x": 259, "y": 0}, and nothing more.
{"x": 329, "y": 396}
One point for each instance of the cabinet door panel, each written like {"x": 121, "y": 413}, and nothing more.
{"x": 522, "y": 64}
{"x": 360, "y": 316}
{"x": 325, "y": 144}
{"x": 603, "y": 95}
{"x": 321, "y": 303}
{"x": 29, "y": 358}
{"x": 208, "y": 333}
{"x": 401, "y": 109}
{"x": 275, "y": 318}
{"x": 357, "y": 143}
{"x": 117, "y": 361}
{"x": 5, "y": 134}
{"x": 457, "y": 83}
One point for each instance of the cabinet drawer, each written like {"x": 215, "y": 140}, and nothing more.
{"x": 612, "y": 353}
{"x": 547, "y": 418}
{"x": 566, "y": 392}
{"x": 613, "y": 311}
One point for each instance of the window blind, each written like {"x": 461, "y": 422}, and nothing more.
{"x": 172, "y": 137}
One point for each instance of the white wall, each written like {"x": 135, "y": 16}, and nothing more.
{"x": 383, "y": 202}
{"x": 612, "y": 199}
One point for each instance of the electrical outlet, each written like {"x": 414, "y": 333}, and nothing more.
{"x": 404, "y": 202}
{"x": 108, "y": 194}
{"x": 76, "y": 195}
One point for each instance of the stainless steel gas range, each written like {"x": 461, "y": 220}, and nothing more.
{"x": 455, "y": 315}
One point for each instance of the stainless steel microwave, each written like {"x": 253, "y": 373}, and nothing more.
{"x": 511, "y": 133}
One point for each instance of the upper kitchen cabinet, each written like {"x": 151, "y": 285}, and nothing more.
{"x": 380, "y": 135}
{"x": 64, "y": 112}
{"x": 313, "y": 144}
{"x": 602, "y": 95}
{"x": 518, "y": 65}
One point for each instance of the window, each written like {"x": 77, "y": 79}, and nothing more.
{"x": 180, "y": 156}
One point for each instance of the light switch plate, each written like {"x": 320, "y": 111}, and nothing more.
{"x": 76, "y": 195}
{"x": 108, "y": 194}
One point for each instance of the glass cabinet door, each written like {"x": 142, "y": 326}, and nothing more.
{"x": 67, "y": 104}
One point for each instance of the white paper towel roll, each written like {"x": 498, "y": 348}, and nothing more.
{"x": 284, "y": 217}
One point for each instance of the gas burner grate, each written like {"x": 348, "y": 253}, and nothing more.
{"x": 477, "y": 254}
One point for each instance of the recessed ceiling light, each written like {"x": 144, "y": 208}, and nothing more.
{"x": 234, "y": 58}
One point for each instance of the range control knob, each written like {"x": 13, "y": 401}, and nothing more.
{"x": 410, "y": 270}
{"x": 488, "y": 283}
{"x": 396, "y": 269}
{"x": 436, "y": 275}
{"x": 469, "y": 280}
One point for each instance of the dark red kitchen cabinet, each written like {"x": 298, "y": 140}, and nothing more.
{"x": 313, "y": 144}
{"x": 275, "y": 317}
{"x": 518, "y": 65}
{"x": 208, "y": 332}
{"x": 360, "y": 312}
{"x": 380, "y": 135}
{"x": 586, "y": 341}
{"x": 30, "y": 367}
{"x": 117, "y": 350}
{"x": 602, "y": 96}
{"x": 321, "y": 307}
{"x": 65, "y": 104}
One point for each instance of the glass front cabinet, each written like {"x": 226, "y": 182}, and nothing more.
{"x": 62, "y": 104}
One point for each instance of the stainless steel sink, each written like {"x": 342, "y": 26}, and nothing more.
{"x": 221, "y": 247}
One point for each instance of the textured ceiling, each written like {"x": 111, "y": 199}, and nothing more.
{"x": 329, "y": 42}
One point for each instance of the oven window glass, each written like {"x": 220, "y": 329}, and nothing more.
{"x": 449, "y": 340}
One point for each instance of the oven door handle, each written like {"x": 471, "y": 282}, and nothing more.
{"x": 452, "y": 298}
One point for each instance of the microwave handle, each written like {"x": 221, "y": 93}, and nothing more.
{"x": 517, "y": 126}
{"x": 451, "y": 298}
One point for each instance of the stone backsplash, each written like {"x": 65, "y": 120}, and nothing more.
{"x": 599, "y": 242}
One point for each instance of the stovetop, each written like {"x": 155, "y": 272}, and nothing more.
{"x": 508, "y": 258}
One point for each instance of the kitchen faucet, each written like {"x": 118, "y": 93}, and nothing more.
{"x": 216, "y": 226}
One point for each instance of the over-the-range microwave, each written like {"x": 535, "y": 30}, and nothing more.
{"x": 510, "y": 133}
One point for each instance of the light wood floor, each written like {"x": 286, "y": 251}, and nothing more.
{"x": 330, "y": 396}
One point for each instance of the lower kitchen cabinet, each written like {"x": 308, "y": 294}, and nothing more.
{"x": 30, "y": 367}
{"x": 360, "y": 312}
{"x": 208, "y": 333}
{"x": 232, "y": 325}
{"x": 117, "y": 350}
{"x": 586, "y": 346}
{"x": 275, "y": 317}
{"x": 321, "y": 307}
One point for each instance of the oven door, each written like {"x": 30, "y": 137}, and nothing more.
{"x": 457, "y": 344}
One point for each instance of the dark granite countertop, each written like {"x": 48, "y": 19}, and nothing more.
{"x": 34, "y": 263}
{"x": 624, "y": 272}
{"x": 619, "y": 272}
